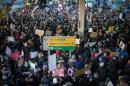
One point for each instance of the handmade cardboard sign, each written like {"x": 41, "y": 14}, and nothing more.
{"x": 39, "y": 32}
{"x": 58, "y": 72}
{"x": 93, "y": 35}
{"x": 80, "y": 72}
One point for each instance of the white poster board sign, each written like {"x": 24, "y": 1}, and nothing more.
{"x": 52, "y": 62}
{"x": 122, "y": 45}
{"x": 39, "y": 32}
{"x": 8, "y": 51}
{"x": 33, "y": 54}
{"x": 10, "y": 38}
{"x": 77, "y": 41}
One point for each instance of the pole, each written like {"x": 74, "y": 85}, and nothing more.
{"x": 70, "y": 54}
{"x": 48, "y": 59}
{"x": 5, "y": 8}
{"x": 48, "y": 56}
{"x": 49, "y": 53}
{"x": 81, "y": 17}
{"x": 40, "y": 39}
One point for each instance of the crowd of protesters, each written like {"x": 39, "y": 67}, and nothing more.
{"x": 18, "y": 40}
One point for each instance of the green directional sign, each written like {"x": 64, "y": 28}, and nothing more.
{"x": 61, "y": 47}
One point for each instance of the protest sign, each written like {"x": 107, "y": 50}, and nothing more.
{"x": 70, "y": 72}
{"x": 33, "y": 54}
{"x": 10, "y": 38}
{"x": 77, "y": 41}
{"x": 110, "y": 29}
{"x": 90, "y": 44}
{"x": 58, "y": 72}
{"x": 122, "y": 45}
{"x": 80, "y": 72}
{"x": 8, "y": 51}
{"x": 52, "y": 62}
{"x": 39, "y": 32}
{"x": 93, "y": 35}
{"x": 114, "y": 54}
{"x": 54, "y": 73}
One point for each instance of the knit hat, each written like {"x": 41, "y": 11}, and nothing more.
{"x": 90, "y": 30}
{"x": 55, "y": 81}
{"x": 101, "y": 64}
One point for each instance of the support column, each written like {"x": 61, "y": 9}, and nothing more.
{"x": 81, "y": 17}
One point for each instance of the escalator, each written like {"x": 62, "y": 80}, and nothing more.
{"x": 120, "y": 3}
{"x": 5, "y": 7}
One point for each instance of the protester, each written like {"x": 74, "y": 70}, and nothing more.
{"x": 104, "y": 46}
